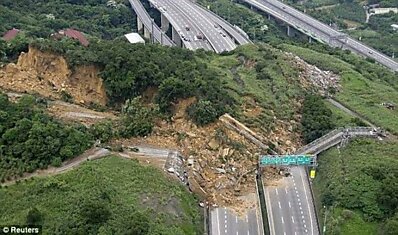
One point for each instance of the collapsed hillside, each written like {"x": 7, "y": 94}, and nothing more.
{"x": 49, "y": 75}
{"x": 268, "y": 102}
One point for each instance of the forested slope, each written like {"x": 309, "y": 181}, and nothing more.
{"x": 107, "y": 196}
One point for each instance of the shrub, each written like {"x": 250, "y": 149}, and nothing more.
{"x": 202, "y": 112}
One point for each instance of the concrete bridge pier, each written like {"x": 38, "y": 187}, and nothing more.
{"x": 165, "y": 23}
{"x": 290, "y": 32}
{"x": 175, "y": 37}
{"x": 309, "y": 39}
{"x": 147, "y": 33}
{"x": 269, "y": 16}
{"x": 140, "y": 25}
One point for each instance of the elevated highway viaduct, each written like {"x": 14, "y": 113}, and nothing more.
{"x": 318, "y": 30}
{"x": 192, "y": 26}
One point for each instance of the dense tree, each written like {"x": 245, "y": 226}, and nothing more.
{"x": 137, "y": 119}
{"x": 29, "y": 139}
{"x": 102, "y": 131}
{"x": 93, "y": 17}
{"x": 203, "y": 112}
{"x": 316, "y": 119}
{"x": 34, "y": 217}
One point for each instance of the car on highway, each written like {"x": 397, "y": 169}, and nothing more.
{"x": 187, "y": 28}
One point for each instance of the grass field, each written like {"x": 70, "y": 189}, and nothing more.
{"x": 351, "y": 183}
{"x": 132, "y": 195}
{"x": 275, "y": 92}
{"x": 341, "y": 118}
{"x": 359, "y": 93}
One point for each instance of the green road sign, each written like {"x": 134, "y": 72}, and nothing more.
{"x": 285, "y": 160}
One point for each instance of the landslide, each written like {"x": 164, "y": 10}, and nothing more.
{"x": 49, "y": 75}
{"x": 224, "y": 161}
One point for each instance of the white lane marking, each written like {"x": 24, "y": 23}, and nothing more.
{"x": 301, "y": 208}
{"x": 282, "y": 220}
{"x": 284, "y": 233}
{"x": 236, "y": 219}
{"x": 247, "y": 218}
{"x": 293, "y": 219}
{"x": 290, "y": 205}
{"x": 299, "y": 203}
{"x": 295, "y": 233}
{"x": 286, "y": 190}
{"x": 302, "y": 212}
{"x": 276, "y": 191}
{"x": 226, "y": 231}
{"x": 306, "y": 197}
{"x": 248, "y": 232}
{"x": 218, "y": 222}
{"x": 279, "y": 203}
{"x": 237, "y": 232}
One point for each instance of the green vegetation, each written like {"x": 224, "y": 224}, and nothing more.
{"x": 342, "y": 119}
{"x": 260, "y": 76}
{"x": 38, "y": 18}
{"x": 177, "y": 73}
{"x": 30, "y": 139}
{"x": 358, "y": 186}
{"x": 107, "y": 196}
{"x": 137, "y": 119}
{"x": 316, "y": 118}
{"x": 364, "y": 85}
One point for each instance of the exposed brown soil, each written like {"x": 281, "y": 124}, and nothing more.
{"x": 224, "y": 161}
{"x": 49, "y": 75}
{"x": 76, "y": 113}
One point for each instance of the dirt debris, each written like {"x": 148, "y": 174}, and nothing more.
{"x": 221, "y": 163}
{"x": 76, "y": 113}
{"x": 49, "y": 75}
{"x": 321, "y": 81}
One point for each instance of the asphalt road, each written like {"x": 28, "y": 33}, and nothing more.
{"x": 179, "y": 21}
{"x": 289, "y": 205}
{"x": 320, "y": 30}
{"x": 224, "y": 222}
{"x": 230, "y": 29}
{"x": 185, "y": 13}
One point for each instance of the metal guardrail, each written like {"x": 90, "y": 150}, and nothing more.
{"x": 313, "y": 201}
{"x": 337, "y": 133}
{"x": 263, "y": 204}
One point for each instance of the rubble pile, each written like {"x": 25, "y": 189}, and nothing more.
{"x": 221, "y": 162}
{"x": 324, "y": 82}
